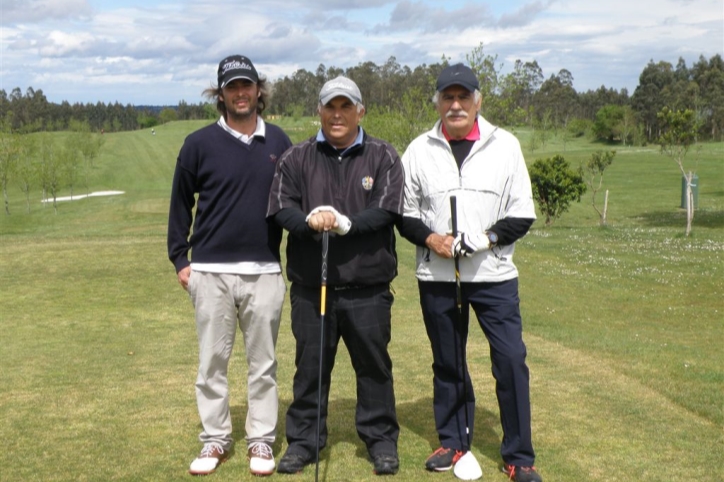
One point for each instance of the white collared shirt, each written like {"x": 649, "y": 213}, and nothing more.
{"x": 260, "y": 130}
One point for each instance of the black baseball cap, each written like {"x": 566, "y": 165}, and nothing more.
{"x": 457, "y": 74}
{"x": 236, "y": 67}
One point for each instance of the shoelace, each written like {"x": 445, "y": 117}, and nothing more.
{"x": 261, "y": 449}
{"x": 441, "y": 450}
{"x": 511, "y": 469}
{"x": 208, "y": 449}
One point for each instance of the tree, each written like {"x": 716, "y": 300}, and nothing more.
{"x": 627, "y": 125}
{"x": 400, "y": 127}
{"x": 557, "y": 97}
{"x": 555, "y": 186}
{"x": 488, "y": 74}
{"x": 678, "y": 134}
{"x": 168, "y": 115}
{"x": 652, "y": 94}
{"x": 519, "y": 86}
{"x": 50, "y": 169}
{"x": 709, "y": 76}
{"x": 608, "y": 118}
{"x": 70, "y": 160}
{"x": 26, "y": 172}
{"x": 9, "y": 147}
{"x": 593, "y": 175}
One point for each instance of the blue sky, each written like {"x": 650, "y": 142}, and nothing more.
{"x": 161, "y": 52}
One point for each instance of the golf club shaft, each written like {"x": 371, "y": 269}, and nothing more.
{"x": 459, "y": 301}
{"x": 322, "y": 310}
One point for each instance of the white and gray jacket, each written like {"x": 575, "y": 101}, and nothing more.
{"x": 492, "y": 184}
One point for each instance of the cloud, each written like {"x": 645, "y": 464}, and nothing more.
{"x": 419, "y": 16}
{"x": 32, "y": 11}
{"x": 524, "y": 15}
{"x": 166, "y": 50}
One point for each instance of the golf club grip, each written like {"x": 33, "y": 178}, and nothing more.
{"x": 454, "y": 221}
{"x": 325, "y": 253}
{"x": 454, "y": 215}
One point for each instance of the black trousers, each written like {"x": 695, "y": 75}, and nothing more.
{"x": 497, "y": 308}
{"x": 361, "y": 318}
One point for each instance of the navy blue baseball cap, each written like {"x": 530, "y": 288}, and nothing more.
{"x": 457, "y": 74}
{"x": 236, "y": 67}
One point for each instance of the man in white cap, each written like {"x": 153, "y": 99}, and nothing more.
{"x": 351, "y": 184}
{"x": 234, "y": 276}
{"x": 463, "y": 155}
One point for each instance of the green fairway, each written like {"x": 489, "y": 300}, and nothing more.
{"x": 623, "y": 326}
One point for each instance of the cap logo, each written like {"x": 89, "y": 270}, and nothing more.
{"x": 338, "y": 85}
{"x": 234, "y": 65}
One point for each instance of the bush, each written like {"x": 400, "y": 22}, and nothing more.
{"x": 555, "y": 186}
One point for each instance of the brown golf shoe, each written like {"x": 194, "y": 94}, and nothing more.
{"x": 261, "y": 458}
{"x": 211, "y": 456}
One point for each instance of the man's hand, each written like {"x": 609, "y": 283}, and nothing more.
{"x": 469, "y": 244}
{"x": 440, "y": 244}
{"x": 183, "y": 277}
{"x": 326, "y": 218}
{"x": 322, "y": 221}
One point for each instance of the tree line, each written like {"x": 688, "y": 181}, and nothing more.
{"x": 31, "y": 112}
{"x": 522, "y": 97}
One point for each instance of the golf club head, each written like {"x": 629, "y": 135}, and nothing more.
{"x": 467, "y": 467}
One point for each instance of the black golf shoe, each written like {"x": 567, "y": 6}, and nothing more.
{"x": 386, "y": 464}
{"x": 521, "y": 474}
{"x": 443, "y": 459}
{"x": 292, "y": 463}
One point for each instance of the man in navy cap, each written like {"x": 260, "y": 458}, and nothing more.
{"x": 234, "y": 274}
{"x": 465, "y": 156}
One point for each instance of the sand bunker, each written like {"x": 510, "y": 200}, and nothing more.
{"x": 75, "y": 197}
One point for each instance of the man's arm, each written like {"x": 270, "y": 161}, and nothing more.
{"x": 180, "y": 217}
{"x": 510, "y": 230}
{"x": 416, "y": 232}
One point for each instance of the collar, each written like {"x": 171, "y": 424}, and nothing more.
{"x": 473, "y": 135}
{"x": 259, "y": 132}
{"x": 357, "y": 141}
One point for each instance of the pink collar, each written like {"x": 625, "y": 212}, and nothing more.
{"x": 473, "y": 135}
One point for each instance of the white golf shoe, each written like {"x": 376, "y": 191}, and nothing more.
{"x": 261, "y": 459}
{"x": 211, "y": 456}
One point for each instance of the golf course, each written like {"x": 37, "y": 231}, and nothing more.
{"x": 624, "y": 326}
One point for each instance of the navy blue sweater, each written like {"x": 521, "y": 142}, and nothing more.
{"x": 232, "y": 180}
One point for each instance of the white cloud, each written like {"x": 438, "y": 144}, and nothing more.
{"x": 32, "y": 11}
{"x": 109, "y": 50}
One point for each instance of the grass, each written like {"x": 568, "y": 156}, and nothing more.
{"x": 623, "y": 327}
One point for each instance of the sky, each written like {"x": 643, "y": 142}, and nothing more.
{"x": 161, "y": 52}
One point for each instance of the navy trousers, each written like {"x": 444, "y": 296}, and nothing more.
{"x": 497, "y": 308}
{"x": 361, "y": 318}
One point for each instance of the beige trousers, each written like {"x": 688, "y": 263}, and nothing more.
{"x": 254, "y": 302}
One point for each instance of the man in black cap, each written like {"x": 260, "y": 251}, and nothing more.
{"x": 465, "y": 156}
{"x": 344, "y": 181}
{"x": 234, "y": 276}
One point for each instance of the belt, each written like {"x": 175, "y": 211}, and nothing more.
{"x": 349, "y": 287}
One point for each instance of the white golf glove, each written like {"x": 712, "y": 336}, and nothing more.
{"x": 343, "y": 222}
{"x": 469, "y": 244}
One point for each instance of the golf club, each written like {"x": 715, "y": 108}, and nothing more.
{"x": 322, "y": 309}
{"x": 467, "y": 467}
